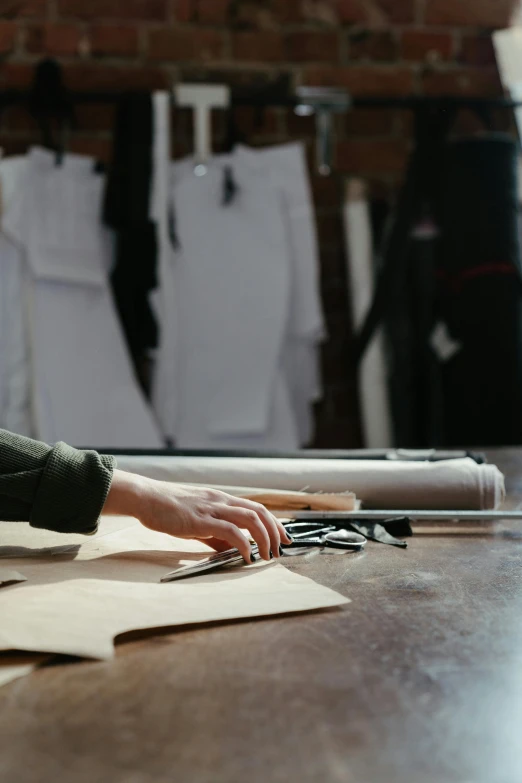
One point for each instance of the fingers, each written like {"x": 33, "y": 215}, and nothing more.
{"x": 246, "y": 518}
{"x": 216, "y": 543}
{"x": 269, "y": 519}
{"x": 224, "y": 530}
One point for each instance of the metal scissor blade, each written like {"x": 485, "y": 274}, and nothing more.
{"x": 219, "y": 560}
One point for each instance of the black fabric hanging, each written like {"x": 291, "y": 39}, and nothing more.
{"x": 481, "y": 292}
{"x": 404, "y": 300}
{"x": 126, "y": 210}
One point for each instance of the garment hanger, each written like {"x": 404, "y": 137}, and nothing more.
{"x": 202, "y": 98}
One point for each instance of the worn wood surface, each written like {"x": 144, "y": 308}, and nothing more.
{"x": 419, "y": 680}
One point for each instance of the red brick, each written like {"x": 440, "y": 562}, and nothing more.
{"x": 253, "y": 14}
{"x": 363, "y": 79}
{"x": 182, "y": 10}
{"x": 376, "y": 13}
{"x": 114, "y": 9}
{"x": 7, "y": 36}
{"x": 53, "y": 39}
{"x": 95, "y": 117}
{"x": 370, "y": 122}
{"x": 90, "y": 145}
{"x": 312, "y": 46}
{"x": 32, "y": 8}
{"x": 462, "y": 81}
{"x": 399, "y": 11}
{"x": 422, "y": 45}
{"x": 17, "y": 118}
{"x": 477, "y": 50}
{"x": 261, "y": 46}
{"x": 370, "y": 156}
{"x": 470, "y": 13}
{"x": 323, "y": 12}
{"x": 213, "y": 11}
{"x": 16, "y": 145}
{"x": 186, "y": 44}
{"x": 114, "y": 40}
{"x": 107, "y": 77}
{"x": 352, "y": 12}
{"x": 380, "y": 46}
{"x": 290, "y": 11}
{"x": 16, "y": 75}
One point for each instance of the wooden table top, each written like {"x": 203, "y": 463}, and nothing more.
{"x": 419, "y": 680}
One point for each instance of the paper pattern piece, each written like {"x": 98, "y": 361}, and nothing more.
{"x": 451, "y": 484}
{"x": 8, "y": 577}
{"x": 12, "y": 667}
{"x": 76, "y": 603}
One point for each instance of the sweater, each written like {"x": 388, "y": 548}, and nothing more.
{"x": 52, "y": 487}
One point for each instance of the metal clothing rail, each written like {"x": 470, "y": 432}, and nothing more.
{"x": 49, "y": 95}
{"x": 267, "y": 99}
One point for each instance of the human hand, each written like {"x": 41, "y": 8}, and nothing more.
{"x": 186, "y": 511}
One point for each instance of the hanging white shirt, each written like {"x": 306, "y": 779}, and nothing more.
{"x": 85, "y": 391}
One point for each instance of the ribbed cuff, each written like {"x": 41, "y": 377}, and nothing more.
{"x": 72, "y": 491}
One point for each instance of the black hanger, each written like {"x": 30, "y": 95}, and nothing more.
{"x": 51, "y": 106}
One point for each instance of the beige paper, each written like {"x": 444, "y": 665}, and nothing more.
{"x": 451, "y": 484}
{"x": 76, "y": 603}
{"x": 14, "y": 666}
{"x": 8, "y": 577}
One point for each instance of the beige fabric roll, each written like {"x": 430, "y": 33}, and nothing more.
{"x": 452, "y": 484}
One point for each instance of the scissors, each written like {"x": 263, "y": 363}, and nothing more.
{"x": 327, "y": 537}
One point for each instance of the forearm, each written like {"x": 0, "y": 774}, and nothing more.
{"x": 57, "y": 488}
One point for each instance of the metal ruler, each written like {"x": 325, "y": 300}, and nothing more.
{"x": 415, "y": 515}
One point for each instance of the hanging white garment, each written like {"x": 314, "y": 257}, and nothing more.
{"x": 15, "y": 364}
{"x": 215, "y": 385}
{"x": 85, "y": 391}
{"x": 306, "y": 326}
{"x": 232, "y": 276}
{"x": 373, "y": 384}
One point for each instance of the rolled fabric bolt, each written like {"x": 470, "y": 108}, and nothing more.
{"x": 452, "y": 484}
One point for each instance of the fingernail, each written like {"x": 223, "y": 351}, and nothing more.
{"x": 252, "y": 557}
{"x": 271, "y": 555}
{"x": 289, "y": 537}
{"x": 280, "y": 551}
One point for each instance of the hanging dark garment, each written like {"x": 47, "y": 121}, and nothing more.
{"x": 126, "y": 210}
{"x": 481, "y": 292}
{"x": 405, "y": 293}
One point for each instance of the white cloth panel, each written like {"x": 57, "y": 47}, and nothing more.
{"x": 372, "y": 378}
{"x": 15, "y": 363}
{"x": 85, "y": 391}
{"x": 233, "y": 279}
{"x": 307, "y": 328}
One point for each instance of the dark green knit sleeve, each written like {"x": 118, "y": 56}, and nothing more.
{"x": 53, "y": 487}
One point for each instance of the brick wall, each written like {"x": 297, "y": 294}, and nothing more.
{"x": 368, "y": 46}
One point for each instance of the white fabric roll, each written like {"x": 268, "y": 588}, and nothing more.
{"x": 453, "y": 484}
